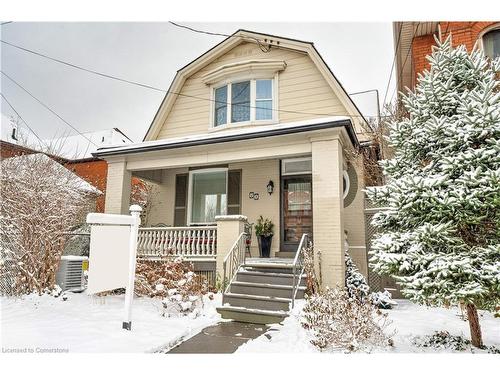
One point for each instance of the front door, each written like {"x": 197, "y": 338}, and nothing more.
{"x": 296, "y": 210}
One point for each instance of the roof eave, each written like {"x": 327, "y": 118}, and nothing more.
{"x": 347, "y": 124}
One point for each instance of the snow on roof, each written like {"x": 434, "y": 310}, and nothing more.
{"x": 73, "y": 179}
{"x": 79, "y": 147}
{"x": 225, "y": 132}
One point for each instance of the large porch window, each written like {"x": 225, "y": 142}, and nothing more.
{"x": 208, "y": 195}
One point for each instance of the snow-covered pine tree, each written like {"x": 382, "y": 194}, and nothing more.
{"x": 439, "y": 236}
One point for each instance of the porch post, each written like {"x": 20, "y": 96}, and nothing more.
{"x": 229, "y": 227}
{"x": 328, "y": 205}
{"x": 118, "y": 187}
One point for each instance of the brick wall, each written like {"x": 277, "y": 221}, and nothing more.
{"x": 466, "y": 33}
{"x": 95, "y": 172}
{"x": 9, "y": 150}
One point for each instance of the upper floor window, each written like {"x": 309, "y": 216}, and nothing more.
{"x": 491, "y": 43}
{"x": 243, "y": 101}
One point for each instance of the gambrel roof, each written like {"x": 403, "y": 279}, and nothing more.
{"x": 267, "y": 40}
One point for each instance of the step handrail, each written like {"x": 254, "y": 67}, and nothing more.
{"x": 298, "y": 266}
{"x": 234, "y": 259}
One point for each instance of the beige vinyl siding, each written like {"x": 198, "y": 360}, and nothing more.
{"x": 254, "y": 178}
{"x": 301, "y": 87}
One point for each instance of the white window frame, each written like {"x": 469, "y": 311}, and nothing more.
{"x": 253, "y": 94}
{"x": 347, "y": 184}
{"x": 190, "y": 192}
{"x": 479, "y": 42}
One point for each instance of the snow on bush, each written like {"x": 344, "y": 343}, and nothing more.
{"x": 41, "y": 199}
{"x": 175, "y": 282}
{"x": 357, "y": 287}
{"x": 339, "y": 321}
{"x": 355, "y": 282}
{"x": 444, "y": 340}
{"x": 383, "y": 300}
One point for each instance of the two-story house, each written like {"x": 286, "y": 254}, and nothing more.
{"x": 257, "y": 125}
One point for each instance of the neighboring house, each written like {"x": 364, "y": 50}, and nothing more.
{"x": 413, "y": 42}
{"x": 258, "y": 125}
{"x": 75, "y": 153}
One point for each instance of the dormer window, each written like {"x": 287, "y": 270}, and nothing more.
{"x": 244, "y": 92}
{"x": 243, "y": 101}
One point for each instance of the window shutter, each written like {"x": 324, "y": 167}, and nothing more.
{"x": 181, "y": 194}
{"x": 234, "y": 192}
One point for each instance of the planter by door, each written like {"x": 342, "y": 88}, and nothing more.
{"x": 265, "y": 246}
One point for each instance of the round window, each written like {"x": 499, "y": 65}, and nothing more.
{"x": 347, "y": 184}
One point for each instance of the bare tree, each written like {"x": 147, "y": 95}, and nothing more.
{"x": 40, "y": 199}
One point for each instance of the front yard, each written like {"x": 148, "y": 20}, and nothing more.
{"x": 93, "y": 324}
{"x": 408, "y": 322}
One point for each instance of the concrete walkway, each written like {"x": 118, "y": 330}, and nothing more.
{"x": 224, "y": 337}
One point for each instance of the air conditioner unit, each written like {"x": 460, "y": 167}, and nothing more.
{"x": 70, "y": 276}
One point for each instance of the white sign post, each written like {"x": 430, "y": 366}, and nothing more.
{"x": 135, "y": 211}
{"x": 113, "y": 251}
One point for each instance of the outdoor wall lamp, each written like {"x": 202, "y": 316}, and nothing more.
{"x": 270, "y": 187}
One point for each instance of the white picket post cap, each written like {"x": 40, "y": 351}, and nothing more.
{"x": 135, "y": 208}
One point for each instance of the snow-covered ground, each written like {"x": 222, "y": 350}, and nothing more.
{"x": 408, "y": 321}
{"x": 93, "y": 324}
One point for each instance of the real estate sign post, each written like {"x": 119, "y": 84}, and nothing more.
{"x": 113, "y": 250}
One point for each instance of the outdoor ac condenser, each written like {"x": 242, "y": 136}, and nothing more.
{"x": 70, "y": 275}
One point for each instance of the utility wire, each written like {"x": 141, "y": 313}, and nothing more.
{"x": 5, "y": 23}
{"x": 82, "y": 68}
{"x": 262, "y": 47}
{"x": 47, "y": 107}
{"x": 393, "y": 63}
{"x": 163, "y": 90}
{"x": 23, "y": 120}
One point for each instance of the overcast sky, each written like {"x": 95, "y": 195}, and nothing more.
{"x": 360, "y": 55}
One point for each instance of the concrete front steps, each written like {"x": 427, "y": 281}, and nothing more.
{"x": 261, "y": 292}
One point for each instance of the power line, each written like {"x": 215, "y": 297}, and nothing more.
{"x": 23, "y": 120}
{"x": 160, "y": 89}
{"x": 84, "y": 69}
{"x": 393, "y": 63}
{"x": 261, "y": 46}
{"x": 5, "y": 23}
{"x": 47, "y": 107}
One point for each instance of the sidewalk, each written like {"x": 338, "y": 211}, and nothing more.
{"x": 224, "y": 337}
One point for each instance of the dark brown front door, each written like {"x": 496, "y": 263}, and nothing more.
{"x": 296, "y": 210}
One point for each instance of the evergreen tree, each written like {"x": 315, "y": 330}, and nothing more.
{"x": 440, "y": 234}
{"x": 355, "y": 282}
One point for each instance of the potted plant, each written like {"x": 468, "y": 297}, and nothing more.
{"x": 264, "y": 232}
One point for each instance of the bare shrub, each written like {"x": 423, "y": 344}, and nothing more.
{"x": 312, "y": 283}
{"x": 339, "y": 321}
{"x": 40, "y": 199}
{"x": 175, "y": 282}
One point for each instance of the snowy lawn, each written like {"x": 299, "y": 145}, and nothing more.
{"x": 408, "y": 320}
{"x": 93, "y": 324}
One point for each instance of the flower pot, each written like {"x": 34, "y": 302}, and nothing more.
{"x": 265, "y": 246}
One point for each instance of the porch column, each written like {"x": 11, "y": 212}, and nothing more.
{"x": 328, "y": 205}
{"x": 118, "y": 187}
{"x": 229, "y": 227}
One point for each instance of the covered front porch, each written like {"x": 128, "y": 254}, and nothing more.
{"x": 206, "y": 190}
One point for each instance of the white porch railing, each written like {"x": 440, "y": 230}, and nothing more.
{"x": 233, "y": 260}
{"x": 189, "y": 242}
